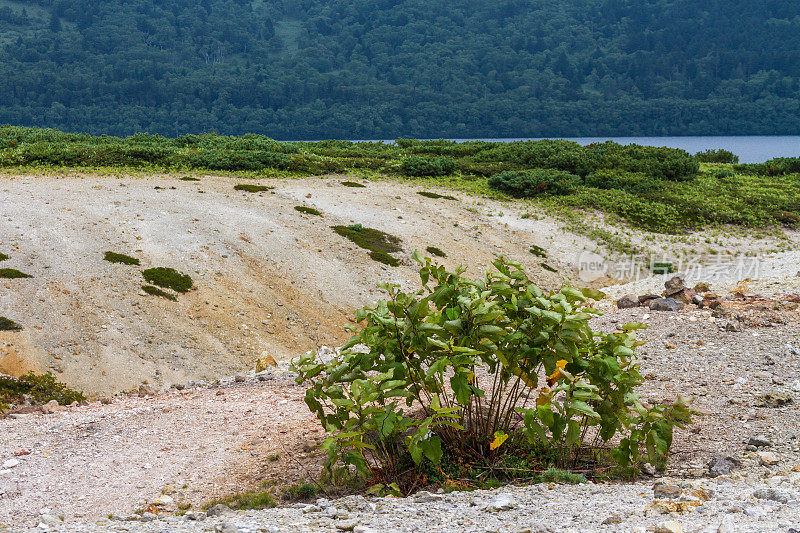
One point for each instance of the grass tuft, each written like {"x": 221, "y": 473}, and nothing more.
{"x": 168, "y": 278}
{"x": 246, "y": 500}
{"x": 123, "y": 259}
{"x": 538, "y": 251}
{"x": 548, "y": 267}
{"x": 6, "y": 324}
{"x": 155, "y": 291}
{"x": 555, "y": 475}
{"x": 307, "y": 210}
{"x": 379, "y": 244}
{"x": 248, "y": 187}
{"x": 352, "y": 184}
{"x": 435, "y": 251}
{"x": 3, "y": 257}
{"x": 13, "y": 273}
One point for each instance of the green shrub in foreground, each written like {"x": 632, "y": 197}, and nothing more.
{"x": 468, "y": 354}
{"x": 428, "y": 166}
{"x": 534, "y": 183}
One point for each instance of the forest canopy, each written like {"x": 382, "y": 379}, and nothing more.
{"x": 308, "y": 69}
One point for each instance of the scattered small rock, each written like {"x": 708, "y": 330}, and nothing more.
{"x": 722, "y": 466}
{"x": 218, "y": 510}
{"x": 501, "y": 502}
{"x": 772, "y": 494}
{"x": 147, "y": 390}
{"x": 768, "y": 458}
{"x": 11, "y": 463}
{"x": 666, "y": 304}
{"x": 670, "y": 526}
{"x": 628, "y": 301}
{"x": 663, "y": 490}
{"x": 759, "y": 441}
{"x": 774, "y": 399}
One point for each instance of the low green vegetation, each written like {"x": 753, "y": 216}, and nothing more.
{"x": 491, "y": 375}
{"x": 35, "y": 389}
{"x": 379, "y": 244}
{"x": 538, "y": 251}
{"x": 662, "y": 267}
{"x": 656, "y": 189}
{"x": 717, "y": 156}
{"x": 257, "y": 499}
{"x": 13, "y": 273}
{"x": 429, "y": 194}
{"x": 155, "y": 291}
{"x": 3, "y": 256}
{"x": 303, "y": 491}
{"x": 353, "y": 184}
{"x": 433, "y": 250}
{"x": 189, "y": 178}
{"x": 249, "y": 187}
{"x": 6, "y": 324}
{"x": 113, "y": 257}
{"x": 548, "y": 267}
{"x": 308, "y": 210}
{"x": 168, "y": 278}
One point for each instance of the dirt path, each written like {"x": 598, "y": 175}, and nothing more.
{"x": 88, "y": 462}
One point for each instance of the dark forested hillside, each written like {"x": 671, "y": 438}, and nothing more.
{"x": 414, "y": 68}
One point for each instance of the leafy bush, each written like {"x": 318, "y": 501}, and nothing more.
{"x": 528, "y": 184}
{"x": 782, "y": 165}
{"x": 451, "y": 369}
{"x": 428, "y": 166}
{"x": 717, "y": 156}
{"x": 632, "y": 182}
{"x": 168, "y": 278}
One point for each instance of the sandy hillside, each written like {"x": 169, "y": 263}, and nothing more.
{"x": 267, "y": 277}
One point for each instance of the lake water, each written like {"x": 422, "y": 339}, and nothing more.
{"x": 755, "y": 149}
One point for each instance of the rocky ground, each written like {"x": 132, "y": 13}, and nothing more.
{"x": 135, "y": 462}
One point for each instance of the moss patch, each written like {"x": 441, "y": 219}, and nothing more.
{"x": 247, "y": 187}
{"x": 379, "y": 244}
{"x": 155, "y": 291}
{"x": 538, "y": 251}
{"x": 435, "y": 251}
{"x": 35, "y": 389}
{"x": 428, "y": 194}
{"x": 352, "y": 184}
{"x": 13, "y": 273}
{"x": 113, "y": 257}
{"x": 6, "y": 324}
{"x": 168, "y": 278}
{"x": 307, "y": 210}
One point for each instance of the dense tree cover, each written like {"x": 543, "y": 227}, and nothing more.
{"x": 387, "y": 68}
